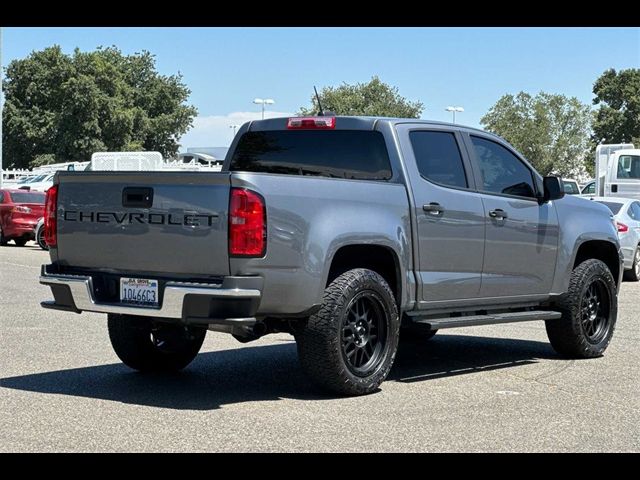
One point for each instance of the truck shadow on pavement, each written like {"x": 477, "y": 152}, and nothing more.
{"x": 271, "y": 372}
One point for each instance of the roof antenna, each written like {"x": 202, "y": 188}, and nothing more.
{"x": 321, "y": 111}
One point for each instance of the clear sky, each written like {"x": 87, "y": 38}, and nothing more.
{"x": 226, "y": 68}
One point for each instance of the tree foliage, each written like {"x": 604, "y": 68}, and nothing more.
{"x": 551, "y": 131}
{"x": 617, "y": 120}
{"x": 69, "y": 106}
{"x": 375, "y": 98}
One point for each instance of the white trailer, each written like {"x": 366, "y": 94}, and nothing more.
{"x": 618, "y": 170}
{"x": 128, "y": 161}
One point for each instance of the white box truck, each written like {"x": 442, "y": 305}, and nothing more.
{"x": 618, "y": 170}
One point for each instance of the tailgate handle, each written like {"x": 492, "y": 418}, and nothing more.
{"x": 141, "y": 197}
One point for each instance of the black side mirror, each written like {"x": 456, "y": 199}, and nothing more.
{"x": 553, "y": 189}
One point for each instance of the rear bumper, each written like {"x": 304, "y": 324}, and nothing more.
{"x": 20, "y": 229}
{"x": 234, "y": 301}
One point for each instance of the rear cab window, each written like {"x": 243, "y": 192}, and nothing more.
{"x": 351, "y": 154}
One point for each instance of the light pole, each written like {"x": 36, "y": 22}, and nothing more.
{"x": 454, "y": 110}
{"x": 263, "y": 102}
{"x": 234, "y": 130}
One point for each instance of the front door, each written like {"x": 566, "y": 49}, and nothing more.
{"x": 449, "y": 214}
{"x": 521, "y": 235}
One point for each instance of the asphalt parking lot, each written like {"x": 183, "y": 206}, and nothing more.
{"x": 493, "y": 388}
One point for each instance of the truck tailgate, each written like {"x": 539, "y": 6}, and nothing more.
{"x": 155, "y": 222}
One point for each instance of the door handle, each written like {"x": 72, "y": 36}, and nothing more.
{"x": 433, "y": 208}
{"x": 141, "y": 197}
{"x": 498, "y": 214}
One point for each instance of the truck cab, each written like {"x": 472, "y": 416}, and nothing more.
{"x": 618, "y": 171}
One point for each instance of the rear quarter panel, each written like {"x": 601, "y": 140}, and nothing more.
{"x": 308, "y": 220}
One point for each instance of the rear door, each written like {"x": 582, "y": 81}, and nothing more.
{"x": 449, "y": 213}
{"x": 521, "y": 235}
{"x": 156, "y": 222}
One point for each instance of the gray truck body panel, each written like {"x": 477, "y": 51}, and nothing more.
{"x": 458, "y": 260}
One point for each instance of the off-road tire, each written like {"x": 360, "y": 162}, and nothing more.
{"x": 575, "y": 335}
{"x": 328, "y": 341}
{"x": 147, "y": 345}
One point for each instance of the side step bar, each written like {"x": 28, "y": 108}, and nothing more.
{"x": 472, "y": 320}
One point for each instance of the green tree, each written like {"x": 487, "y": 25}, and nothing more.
{"x": 617, "y": 120}
{"x": 376, "y": 99}
{"x": 70, "y": 106}
{"x": 551, "y": 131}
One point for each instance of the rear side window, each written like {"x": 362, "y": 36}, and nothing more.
{"x": 635, "y": 210}
{"x": 356, "y": 154}
{"x": 502, "y": 171}
{"x": 26, "y": 197}
{"x": 438, "y": 158}
{"x": 614, "y": 207}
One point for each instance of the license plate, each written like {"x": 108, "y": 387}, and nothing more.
{"x": 139, "y": 291}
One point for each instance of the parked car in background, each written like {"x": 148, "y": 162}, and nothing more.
{"x": 41, "y": 184}
{"x": 25, "y": 182}
{"x": 626, "y": 213}
{"x": 571, "y": 186}
{"x": 40, "y": 235}
{"x": 20, "y": 211}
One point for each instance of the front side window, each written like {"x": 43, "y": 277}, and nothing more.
{"x": 589, "y": 189}
{"x": 438, "y": 158}
{"x": 502, "y": 171}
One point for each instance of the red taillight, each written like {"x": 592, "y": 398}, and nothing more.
{"x": 622, "y": 228}
{"x": 21, "y": 209}
{"x": 247, "y": 224}
{"x": 50, "y": 217}
{"x": 311, "y": 123}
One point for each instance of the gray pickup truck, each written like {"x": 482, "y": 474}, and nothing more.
{"x": 349, "y": 233}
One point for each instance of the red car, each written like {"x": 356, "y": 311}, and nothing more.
{"x": 20, "y": 211}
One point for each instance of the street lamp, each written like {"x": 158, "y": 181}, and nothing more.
{"x": 454, "y": 110}
{"x": 263, "y": 102}
{"x": 234, "y": 129}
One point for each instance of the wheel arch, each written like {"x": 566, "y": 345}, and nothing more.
{"x": 604, "y": 251}
{"x": 382, "y": 259}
